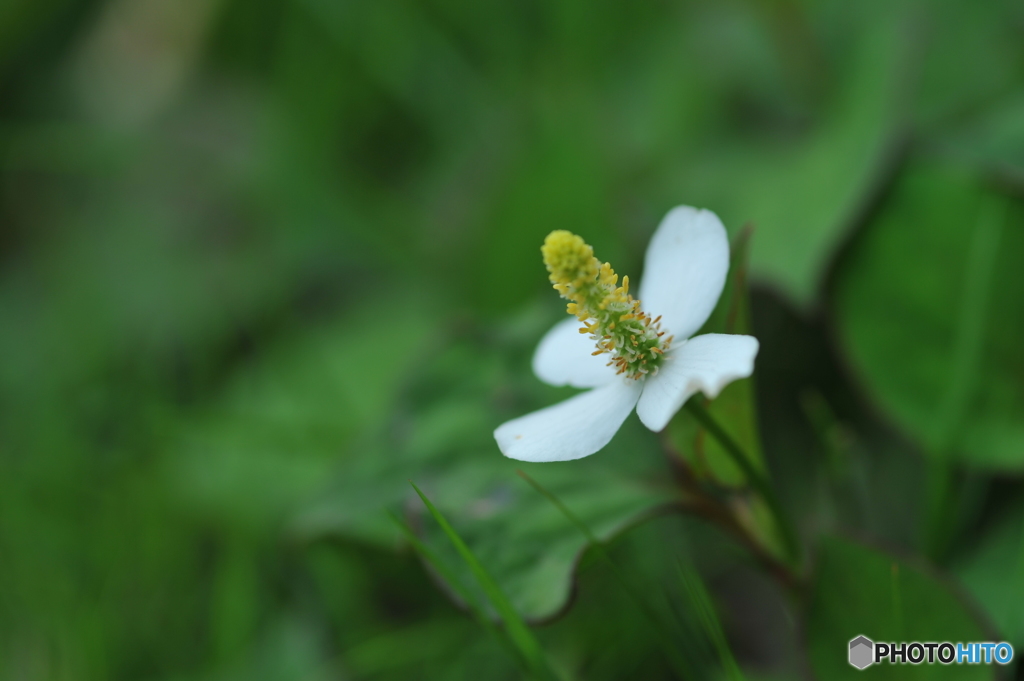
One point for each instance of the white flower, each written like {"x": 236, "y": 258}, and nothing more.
{"x": 684, "y": 272}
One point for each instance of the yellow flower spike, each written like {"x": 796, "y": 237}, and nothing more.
{"x": 570, "y": 261}
{"x": 610, "y": 315}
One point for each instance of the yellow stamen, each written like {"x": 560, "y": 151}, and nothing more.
{"x": 610, "y": 315}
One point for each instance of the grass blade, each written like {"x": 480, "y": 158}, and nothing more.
{"x": 467, "y": 596}
{"x": 701, "y": 603}
{"x": 519, "y": 633}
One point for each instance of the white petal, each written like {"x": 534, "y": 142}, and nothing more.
{"x": 684, "y": 270}
{"x": 565, "y": 357}
{"x": 572, "y": 429}
{"x": 706, "y": 363}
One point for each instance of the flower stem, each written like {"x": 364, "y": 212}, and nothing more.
{"x": 756, "y": 479}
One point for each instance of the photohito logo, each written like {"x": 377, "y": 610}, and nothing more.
{"x": 864, "y": 652}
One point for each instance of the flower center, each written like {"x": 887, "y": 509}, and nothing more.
{"x": 609, "y": 314}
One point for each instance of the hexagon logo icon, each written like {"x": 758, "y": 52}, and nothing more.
{"x": 862, "y": 652}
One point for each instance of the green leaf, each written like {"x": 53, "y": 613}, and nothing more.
{"x": 659, "y": 625}
{"x": 952, "y": 87}
{"x": 804, "y": 197}
{"x": 276, "y": 430}
{"x": 860, "y": 591}
{"x": 993, "y": 141}
{"x": 993, "y": 572}
{"x": 929, "y": 312}
{"x": 403, "y": 650}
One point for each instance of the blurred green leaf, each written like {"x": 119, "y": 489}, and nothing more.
{"x": 405, "y": 649}
{"x": 993, "y": 141}
{"x": 860, "y": 591}
{"x": 804, "y": 197}
{"x": 928, "y": 308}
{"x": 282, "y": 422}
{"x": 21, "y": 21}
{"x": 970, "y": 60}
{"x": 559, "y": 183}
{"x": 992, "y": 569}
{"x": 289, "y": 649}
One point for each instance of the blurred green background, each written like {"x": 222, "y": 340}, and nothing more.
{"x": 264, "y": 261}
